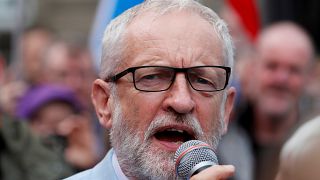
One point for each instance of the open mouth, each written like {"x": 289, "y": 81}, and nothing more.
{"x": 172, "y": 138}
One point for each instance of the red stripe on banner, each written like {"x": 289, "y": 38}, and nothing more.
{"x": 248, "y": 13}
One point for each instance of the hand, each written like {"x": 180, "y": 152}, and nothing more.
{"x": 81, "y": 144}
{"x": 217, "y": 172}
{"x": 10, "y": 94}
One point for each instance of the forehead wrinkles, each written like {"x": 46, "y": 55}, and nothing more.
{"x": 193, "y": 36}
{"x": 182, "y": 24}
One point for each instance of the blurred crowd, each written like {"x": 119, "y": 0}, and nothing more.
{"x": 49, "y": 129}
{"x": 46, "y": 99}
{"x": 278, "y": 84}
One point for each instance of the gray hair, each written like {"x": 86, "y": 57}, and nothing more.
{"x": 113, "y": 41}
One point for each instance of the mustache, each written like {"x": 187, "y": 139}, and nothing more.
{"x": 280, "y": 87}
{"x": 178, "y": 119}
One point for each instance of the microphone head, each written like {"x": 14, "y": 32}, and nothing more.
{"x": 192, "y": 157}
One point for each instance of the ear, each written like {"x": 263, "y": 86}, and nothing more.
{"x": 231, "y": 92}
{"x": 102, "y": 102}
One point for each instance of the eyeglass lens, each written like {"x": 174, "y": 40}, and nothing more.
{"x": 161, "y": 78}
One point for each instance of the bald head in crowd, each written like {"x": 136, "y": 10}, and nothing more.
{"x": 300, "y": 157}
{"x": 277, "y": 77}
{"x": 284, "y": 56}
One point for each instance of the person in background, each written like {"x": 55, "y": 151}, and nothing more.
{"x": 299, "y": 157}
{"x": 284, "y": 56}
{"x": 71, "y": 66}
{"x": 33, "y": 43}
{"x": 23, "y": 155}
{"x": 68, "y": 65}
{"x": 45, "y": 106}
{"x": 54, "y": 113}
{"x": 24, "y": 72}
{"x": 163, "y": 81}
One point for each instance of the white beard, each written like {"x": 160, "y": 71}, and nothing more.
{"x": 138, "y": 158}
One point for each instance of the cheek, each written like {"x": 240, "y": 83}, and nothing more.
{"x": 297, "y": 84}
{"x": 209, "y": 112}
{"x": 140, "y": 110}
{"x": 298, "y": 80}
{"x": 265, "y": 77}
{"x": 260, "y": 78}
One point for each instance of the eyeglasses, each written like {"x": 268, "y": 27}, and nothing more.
{"x": 160, "y": 78}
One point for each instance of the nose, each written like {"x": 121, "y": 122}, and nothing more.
{"x": 282, "y": 75}
{"x": 179, "y": 97}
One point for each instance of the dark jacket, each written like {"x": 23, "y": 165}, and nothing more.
{"x": 25, "y": 156}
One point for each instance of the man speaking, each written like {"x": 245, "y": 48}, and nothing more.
{"x": 164, "y": 80}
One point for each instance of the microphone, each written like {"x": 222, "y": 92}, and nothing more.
{"x": 192, "y": 157}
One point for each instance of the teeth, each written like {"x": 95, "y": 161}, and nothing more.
{"x": 180, "y": 131}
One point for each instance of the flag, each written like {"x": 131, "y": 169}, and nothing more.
{"x": 249, "y": 16}
{"x": 106, "y": 11}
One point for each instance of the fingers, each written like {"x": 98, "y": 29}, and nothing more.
{"x": 66, "y": 126}
{"x": 81, "y": 144}
{"x": 71, "y": 124}
{"x": 10, "y": 93}
{"x": 217, "y": 172}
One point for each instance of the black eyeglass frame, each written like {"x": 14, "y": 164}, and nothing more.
{"x": 176, "y": 70}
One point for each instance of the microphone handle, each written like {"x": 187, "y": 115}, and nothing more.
{"x": 201, "y": 166}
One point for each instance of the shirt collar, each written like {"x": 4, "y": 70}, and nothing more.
{"x": 119, "y": 173}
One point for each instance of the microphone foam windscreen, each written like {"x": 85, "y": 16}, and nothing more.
{"x": 190, "y": 154}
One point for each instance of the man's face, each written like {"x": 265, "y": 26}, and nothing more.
{"x": 57, "y": 63}
{"x": 280, "y": 75}
{"x": 67, "y": 70}
{"x": 152, "y": 125}
{"x": 33, "y": 46}
{"x": 48, "y": 117}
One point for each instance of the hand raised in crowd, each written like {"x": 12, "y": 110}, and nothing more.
{"x": 10, "y": 93}
{"x": 80, "y": 150}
